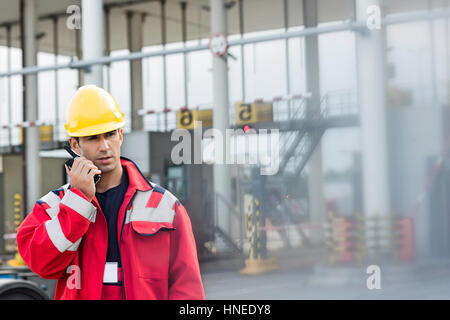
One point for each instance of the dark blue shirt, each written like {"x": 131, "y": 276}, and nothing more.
{"x": 110, "y": 202}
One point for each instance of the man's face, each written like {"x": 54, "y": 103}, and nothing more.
{"x": 103, "y": 149}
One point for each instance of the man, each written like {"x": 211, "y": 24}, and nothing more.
{"x": 122, "y": 238}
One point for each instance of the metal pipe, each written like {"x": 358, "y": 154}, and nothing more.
{"x": 288, "y": 77}
{"x": 78, "y": 54}
{"x": 8, "y": 68}
{"x": 372, "y": 101}
{"x": 85, "y": 63}
{"x": 134, "y": 37}
{"x": 447, "y": 51}
{"x": 92, "y": 24}
{"x": 24, "y": 137}
{"x": 56, "y": 52}
{"x": 31, "y": 137}
{"x": 185, "y": 56}
{"x": 241, "y": 31}
{"x": 346, "y": 26}
{"x": 107, "y": 47}
{"x": 163, "y": 42}
{"x": 221, "y": 171}
{"x": 431, "y": 39}
{"x": 199, "y": 21}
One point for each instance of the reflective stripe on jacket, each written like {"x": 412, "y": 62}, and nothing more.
{"x": 65, "y": 237}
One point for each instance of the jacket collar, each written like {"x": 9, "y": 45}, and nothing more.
{"x": 136, "y": 178}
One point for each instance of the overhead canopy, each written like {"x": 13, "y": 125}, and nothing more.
{"x": 259, "y": 15}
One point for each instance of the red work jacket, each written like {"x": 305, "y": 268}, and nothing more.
{"x": 65, "y": 237}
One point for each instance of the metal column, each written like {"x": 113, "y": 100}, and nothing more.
{"x": 92, "y": 28}
{"x": 183, "y": 5}
{"x": 286, "y": 28}
{"x": 134, "y": 35}
{"x": 222, "y": 173}
{"x": 79, "y": 56}
{"x": 31, "y": 138}
{"x": 315, "y": 180}
{"x": 163, "y": 42}
{"x": 8, "y": 63}
{"x": 372, "y": 103}
{"x": 432, "y": 48}
{"x": 56, "y": 53}
{"x": 241, "y": 31}
{"x": 107, "y": 48}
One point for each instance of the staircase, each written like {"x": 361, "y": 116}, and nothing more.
{"x": 301, "y": 143}
{"x": 224, "y": 243}
{"x": 300, "y": 133}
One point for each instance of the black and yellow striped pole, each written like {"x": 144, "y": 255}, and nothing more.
{"x": 360, "y": 238}
{"x": 261, "y": 239}
{"x": 330, "y": 242}
{"x": 257, "y": 261}
{"x": 17, "y": 261}
{"x": 251, "y": 229}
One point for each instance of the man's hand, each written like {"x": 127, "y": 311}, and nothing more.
{"x": 81, "y": 176}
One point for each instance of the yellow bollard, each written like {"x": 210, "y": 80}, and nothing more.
{"x": 257, "y": 263}
{"x": 331, "y": 239}
{"x": 17, "y": 261}
{"x": 360, "y": 238}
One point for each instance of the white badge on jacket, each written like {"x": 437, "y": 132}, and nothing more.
{"x": 110, "y": 274}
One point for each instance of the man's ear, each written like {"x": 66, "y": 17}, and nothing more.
{"x": 74, "y": 145}
{"x": 121, "y": 135}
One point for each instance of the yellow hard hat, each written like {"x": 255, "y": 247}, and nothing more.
{"x": 92, "y": 110}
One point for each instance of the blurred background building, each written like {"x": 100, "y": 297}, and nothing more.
{"x": 354, "y": 93}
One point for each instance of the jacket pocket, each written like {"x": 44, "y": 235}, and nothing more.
{"x": 151, "y": 248}
{"x": 148, "y": 228}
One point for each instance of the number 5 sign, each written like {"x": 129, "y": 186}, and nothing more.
{"x": 253, "y": 112}
{"x": 218, "y": 44}
{"x": 245, "y": 113}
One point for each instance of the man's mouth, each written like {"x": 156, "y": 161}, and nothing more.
{"x": 104, "y": 159}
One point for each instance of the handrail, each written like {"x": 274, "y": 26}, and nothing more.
{"x": 228, "y": 203}
{"x": 235, "y": 213}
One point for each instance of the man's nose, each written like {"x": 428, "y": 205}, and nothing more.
{"x": 104, "y": 145}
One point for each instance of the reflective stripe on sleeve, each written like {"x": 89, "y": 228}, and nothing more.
{"x": 80, "y": 205}
{"x": 74, "y": 247}
{"x": 58, "y": 238}
{"x": 53, "y": 201}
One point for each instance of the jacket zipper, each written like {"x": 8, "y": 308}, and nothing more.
{"x": 120, "y": 245}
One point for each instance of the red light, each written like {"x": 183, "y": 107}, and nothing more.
{"x": 247, "y": 129}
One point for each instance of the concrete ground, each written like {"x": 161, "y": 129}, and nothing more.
{"x": 293, "y": 285}
{"x": 426, "y": 280}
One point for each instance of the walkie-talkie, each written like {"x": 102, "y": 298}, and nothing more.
{"x": 69, "y": 162}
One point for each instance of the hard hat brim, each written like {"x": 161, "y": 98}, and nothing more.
{"x": 95, "y": 129}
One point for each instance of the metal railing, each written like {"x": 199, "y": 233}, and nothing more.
{"x": 235, "y": 244}
{"x": 356, "y": 26}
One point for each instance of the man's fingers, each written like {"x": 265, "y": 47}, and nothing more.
{"x": 94, "y": 172}
{"x": 87, "y": 168}
{"x": 67, "y": 169}
{"x": 80, "y": 162}
{"x": 76, "y": 163}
